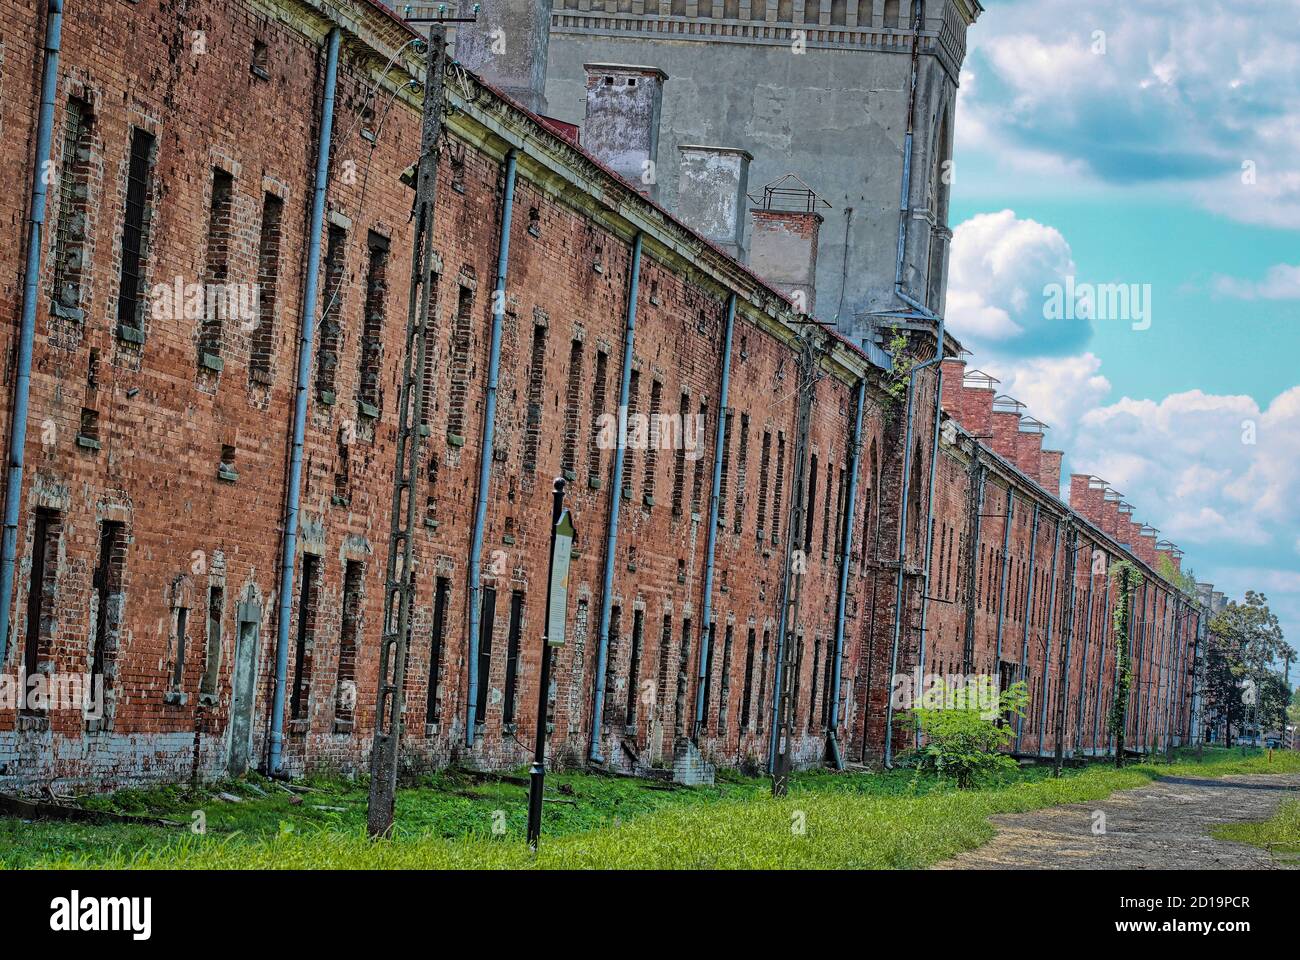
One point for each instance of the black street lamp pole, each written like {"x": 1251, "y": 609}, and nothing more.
{"x": 537, "y": 772}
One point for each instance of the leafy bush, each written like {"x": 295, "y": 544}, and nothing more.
{"x": 963, "y": 736}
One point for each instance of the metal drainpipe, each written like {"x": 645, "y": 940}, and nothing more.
{"x": 902, "y": 534}
{"x": 845, "y": 554}
{"x": 711, "y": 540}
{"x": 307, "y": 329}
{"x": 1047, "y": 651}
{"x": 1029, "y": 607}
{"x": 929, "y": 521}
{"x": 1007, "y": 515}
{"x": 27, "y": 327}
{"x": 1083, "y": 670}
{"x": 485, "y": 446}
{"x": 615, "y": 493}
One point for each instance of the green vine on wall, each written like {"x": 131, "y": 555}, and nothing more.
{"x": 1127, "y": 578}
{"x": 904, "y": 363}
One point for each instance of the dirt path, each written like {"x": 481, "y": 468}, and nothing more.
{"x": 1162, "y": 826}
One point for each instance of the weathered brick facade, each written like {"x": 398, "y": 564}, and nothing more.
{"x": 157, "y": 450}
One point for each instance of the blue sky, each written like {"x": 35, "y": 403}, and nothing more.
{"x": 1155, "y": 145}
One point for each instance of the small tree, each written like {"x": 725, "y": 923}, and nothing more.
{"x": 964, "y": 737}
{"x": 1127, "y": 578}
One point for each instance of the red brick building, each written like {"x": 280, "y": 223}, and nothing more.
{"x": 154, "y": 491}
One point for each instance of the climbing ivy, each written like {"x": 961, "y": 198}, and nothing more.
{"x": 1127, "y": 578}
{"x": 896, "y": 382}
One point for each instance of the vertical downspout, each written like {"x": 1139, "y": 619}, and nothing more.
{"x": 929, "y": 520}
{"x": 711, "y": 538}
{"x": 1029, "y": 608}
{"x": 1047, "y": 650}
{"x": 485, "y": 446}
{"x": 1083, "y": 669}
{"x": 1101, "y": 667}
{"x": 850, "y": 519}
{"x": 1007, "y": 516}
{"x": 27, "y": 327}
{"x": 615, "y": 492}
{"x": 307, "y": 331}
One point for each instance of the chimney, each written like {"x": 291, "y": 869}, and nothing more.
{"x": 1050, "y": 472}
{"x": 1110, "y": 513}
{"x": 1006, "y": 426}
{"x": 1029, "y": 449}
{"x": 621, "y": 128}
{"x": 783, "y": 244}
{"x": 950, "y": 393}
{"x": 1086, "y": 495}
{"x": 711, "y": 187}
{"x": 977, "y": 393}
{"x": 506, "y": 45}
{"x": 1146, "y": 545}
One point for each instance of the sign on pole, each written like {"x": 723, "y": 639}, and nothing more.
{"x": 559, "y": 595}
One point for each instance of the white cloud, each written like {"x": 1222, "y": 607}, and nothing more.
{"x": 1282, "y": 282}
{"x": 1182, "y": 96}
{"x": 997, "y": 270}
{"x": 1057, "y": 390}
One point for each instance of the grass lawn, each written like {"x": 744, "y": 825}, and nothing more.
{"x": 454, "y": 820}
{"x": 1280, "y": 835}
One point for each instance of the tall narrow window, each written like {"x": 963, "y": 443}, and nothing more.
{"x": 826, "y": 510}
{"x": 371, "y": 355}
{"x": 615, "y": 627}
{"x": 725, "y": 474}
{"x": 331, "y": 327}
{"x": 828, "y": 682}
{"x": 597, "y": 411}
{"x": 572, "y": 397}
{"x": 653, "y": 440}
{"x": 764, "y": 464}
{"x": 212, "y": 648}
{"x": 268, "y": 279}
{"x": 72, "y": 226}
{"x": 812, "y": 693}
{"x": 742, "y": 463}
{"x": 135, "y": 229}
{"x": 432, "y": 705}
{"x": 810, "y": 508}
{"x": 536, "y": 382}
{"x": 635, "y": 432}
{"x": 708, "y": 672}
{"x": 679, "y": 456}
{"x": 778, "y": 488}
{"x": 461, "y": 332}
{"x": 762, "y": 678}
{"x": 180, "y": 626}
{"x": 487, "y": 624}
{"x": 108, "y": 593}
{"x": 747, "y": 694}
{"x": 46, "y": 528}
{"x": 308, "y": 605}
{"x": 347, "y": 673}
{"x": 634, "y": 668}
{"x": 429, "y": 387}
{"x": 697, "y": 481}
{"x": 841, "y": 493}
{"x": 683, "y": 677}
{"x": 512, "y": 657}
{"x": 217, "y": 271}
{"x": 724, "y": 696}
{"x": 665, "y": 642}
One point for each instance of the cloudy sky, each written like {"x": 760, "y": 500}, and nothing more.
{"x": 1154, "y": 145}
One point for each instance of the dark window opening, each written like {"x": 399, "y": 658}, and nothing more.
{"x": 108, "y": 589}
{"x": 536, "y": 383}
{"x": 433, "y": 706}
{"x": 487, "y": 624}
{"x": 308, "y": 606}
{"x": 331, "y": 328}
{"x": 512, "y": 656}
{"x": 747, "y": 694}
{"x": 371, "y": 355}
{"x": 212, "y": 647}
{"x": 72, "y": 227}
{"x": 217, "y": 295}
{"x": 346, "y": 703}
{"x": 634, "y": 668}
{"x": 460, "y": 367}
{"x": 268, "y": 276}
{"x": 135, "y": 230}
{"x": 573, "y": 395}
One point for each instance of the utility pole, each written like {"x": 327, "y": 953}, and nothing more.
{"x": 557, "y": 595}
{"x": 796, "y": 566}
{"x": 399, "y": 574}
{"x": 1063, "y": 682}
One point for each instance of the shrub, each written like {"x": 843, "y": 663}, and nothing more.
{"x": 964, "y": 738}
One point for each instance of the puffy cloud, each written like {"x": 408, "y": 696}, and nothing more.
{"x": 997, "y": 272}
{"x": 1198, "y": 98}
{"x": 1282, "y": 282}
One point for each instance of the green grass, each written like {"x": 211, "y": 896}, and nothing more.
{"x": 857, "y": 820}
{"x": 1280, "y": 834}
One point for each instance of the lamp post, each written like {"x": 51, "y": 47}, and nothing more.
{"x": 557, "y": 596}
